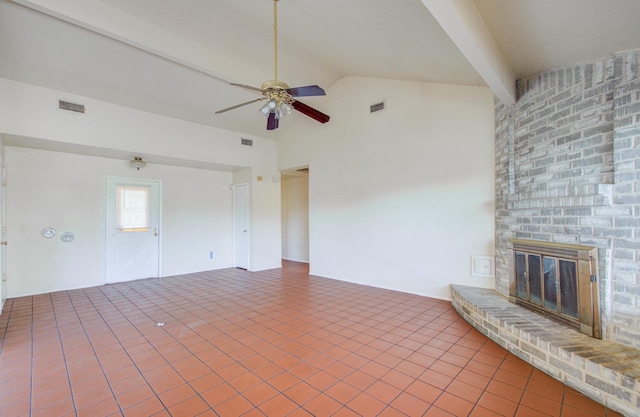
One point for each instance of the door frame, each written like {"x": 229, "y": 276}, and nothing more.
{"x": 145, "y": 181}
{"x": 235, "y": 217}
{"x": 3, "y": 234}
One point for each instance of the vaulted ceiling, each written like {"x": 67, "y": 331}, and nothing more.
{"x": 177, "y": 57}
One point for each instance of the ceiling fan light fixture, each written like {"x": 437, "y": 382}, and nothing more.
{"x": 279, "y": 105}
{"x": 282, "y": 110}
{"x": 266, "y": 109}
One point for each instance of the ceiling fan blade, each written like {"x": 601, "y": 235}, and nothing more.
{"x": 240, "y": 105}
{"x": 310, "y": 111}
{"x": 249, "y": 87}
{"x": 272, "y": 122}
{"x": 306, "y": 91}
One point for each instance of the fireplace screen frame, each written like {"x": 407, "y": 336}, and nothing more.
{"x": 531, "y": 259}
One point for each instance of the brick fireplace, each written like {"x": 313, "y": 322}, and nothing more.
{"x": 568, "y": 173}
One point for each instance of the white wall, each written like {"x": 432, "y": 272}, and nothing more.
{"x": 295, "y": 218}
{"x": 66, "y": 191}
{"x": 264, "y": 207}
{"x": 403, "y": 198}
{"x": 30, "y": 112}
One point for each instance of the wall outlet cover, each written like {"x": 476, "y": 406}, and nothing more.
{"x": 482, "y": 266}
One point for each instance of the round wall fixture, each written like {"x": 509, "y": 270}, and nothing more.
{"x": 48, "y": 232}
{"x": 67, "y": 237}
{"x": 137, "y": 163}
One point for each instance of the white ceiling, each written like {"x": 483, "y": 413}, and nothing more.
{"x": 175, "y": 57}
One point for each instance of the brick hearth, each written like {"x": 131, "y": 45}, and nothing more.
{"x": 606, "y": 371}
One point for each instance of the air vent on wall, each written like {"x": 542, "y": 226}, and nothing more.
{"x": 69, "y": 106}
{"x": 246, "y": 142}
{"x": 377, "y": 107}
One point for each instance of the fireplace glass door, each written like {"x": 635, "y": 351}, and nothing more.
{"x": 568, "y": 288}
{"x": 557, "y": 281}
{"x": 543, "y": 280}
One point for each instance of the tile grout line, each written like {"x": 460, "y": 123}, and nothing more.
{"x": 64, "y": 356}
{"x": 80, "y": 322}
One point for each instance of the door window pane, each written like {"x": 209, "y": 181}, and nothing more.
{"x": 133, "y": 208}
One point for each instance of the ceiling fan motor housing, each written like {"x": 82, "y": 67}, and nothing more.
{"x": 275, "y": 85}
{"x": 276, "y": 91}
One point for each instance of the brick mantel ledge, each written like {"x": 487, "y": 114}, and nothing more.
{"x": 605, "y": 371}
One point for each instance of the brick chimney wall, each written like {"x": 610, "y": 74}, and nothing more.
{"x": 568, "y": 171}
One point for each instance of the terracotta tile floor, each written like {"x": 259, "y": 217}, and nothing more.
{"x": 274, "y": 343}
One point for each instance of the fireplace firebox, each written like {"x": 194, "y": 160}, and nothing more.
{"x": 558, "y": 281}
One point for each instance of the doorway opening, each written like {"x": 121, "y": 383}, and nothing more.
{"x": 295, "y": 215}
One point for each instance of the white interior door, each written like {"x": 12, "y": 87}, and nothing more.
{"x": 132, "y": 229}
{"x": 241, "y": 226}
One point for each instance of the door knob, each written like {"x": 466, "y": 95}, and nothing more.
{"x": 155, "y": 231}
{"x": 5, "y": 243}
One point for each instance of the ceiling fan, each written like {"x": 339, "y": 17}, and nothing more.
{"x": 280, "y": 98}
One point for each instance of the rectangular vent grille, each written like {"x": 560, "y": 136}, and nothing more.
{"x": 67, "y": 105}
{"x": 376, "y": 107}
{"x": 246, "y": 142}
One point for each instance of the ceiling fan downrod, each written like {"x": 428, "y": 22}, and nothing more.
{"x": 280, "y": 98}
{"x": 275, "y": 84}
{"x": 275, "y": 39}
{"x": 280, "y": 101}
